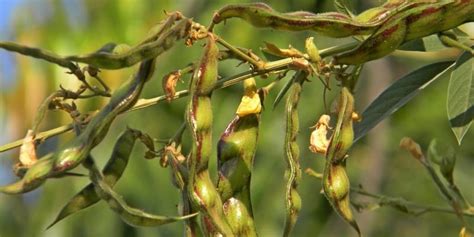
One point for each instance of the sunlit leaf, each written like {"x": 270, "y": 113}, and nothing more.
{"x": 429, "y": 43}
{"x": 461, "y": 96}
{"x": 398, "y": 94}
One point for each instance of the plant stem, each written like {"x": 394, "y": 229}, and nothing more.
{"x": 396, "y": 201}
{"x": 274, "y": 66}
{"x": 240, "y": 54}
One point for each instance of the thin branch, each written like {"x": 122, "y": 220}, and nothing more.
{"x": 39, "y": 53}
{"x": 240, "y": 54}
{"x": 274, "y": 66}
{"x": 398, "y": 202}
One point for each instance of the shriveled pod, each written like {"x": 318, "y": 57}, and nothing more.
{"x": 336, "y": 184}
{"x": 292, "y": 152}
{"x": 202, "y": 192}
{"x": 235, "y": 152}
{"x": 336, "y": 187}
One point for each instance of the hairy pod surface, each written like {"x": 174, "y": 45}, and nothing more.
{"x": 202, "y": 192}
{"x": 292, "y": 198}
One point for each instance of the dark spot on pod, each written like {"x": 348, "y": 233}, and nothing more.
{"x": 428, "y": 11}
{"x": 388, "y": 32}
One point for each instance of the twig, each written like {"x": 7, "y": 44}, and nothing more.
{"x": 273, "y": 66}
{"x": 398, "y": 202}
{"x": 240, "y": 54}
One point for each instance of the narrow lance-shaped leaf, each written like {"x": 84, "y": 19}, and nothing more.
{"x": 398, "y": 94}
{"x": 425, "y": 44}
{"x": 128, "y": 214}
{"x": 113, "y": 170}
{"x": 282, "y": 92}
{"x": 461, "y": 96}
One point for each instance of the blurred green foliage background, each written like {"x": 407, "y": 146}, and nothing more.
{"x": 75, "y": 27}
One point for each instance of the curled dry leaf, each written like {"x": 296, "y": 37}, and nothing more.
{"x": 411, "y": 146}
{"x": 250, "y": 102}
{"x": 27, "y": 150}
{"x": 169, "y": 84}
{"x": 290, "y": 52}
{"x": 466, "y": 232}
{"x": 319, "y": 141}
{"x": 312, "y": 50}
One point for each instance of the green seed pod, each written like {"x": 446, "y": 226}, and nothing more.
{"x": 122, "y": 99}
{"x": 239, "y": 218}
{"x": 384, "y": 11}
{"x": 336, "y": 187}
{"x": 76, "y": 151}
{"x": 292, "y": 198}
{"x": 121, "y": 49}
{"x": 343, "y": 135}
{"x": 201, "y": 191}
{"x": 384, "y": 41}
{"x": 437, "y": 17}
{"x": 148, "y": 49}
{"x": 157, "y": 31}
{"x": 332, "y": 24}
{"x": 33, "y": 178}
{"x": 235, "y": 152}
{"x": 336, "y": 184}
{"x": 413, "y": 21}
{"x": 113, "y": 170}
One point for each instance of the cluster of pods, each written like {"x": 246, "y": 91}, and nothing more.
{"x": 223, "y": 208}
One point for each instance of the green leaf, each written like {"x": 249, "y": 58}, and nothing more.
{"x": 343, "y": 7}
{"x": 461, "y": 96}
{"x": 398, "y": 94}
{"x": 283, "y": 91}
{"x": 429, "y": 43}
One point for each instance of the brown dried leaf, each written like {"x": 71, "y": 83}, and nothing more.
{"x": 319, "y": 141}
{"x": 169, "y": 84}
{"x": 411, "y": 146}
{"x": 28, "y": 150}
{"x": 250, "y": 104}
